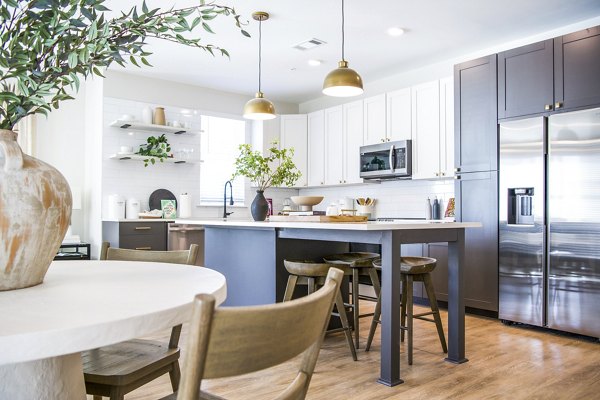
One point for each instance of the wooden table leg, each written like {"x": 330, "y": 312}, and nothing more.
{"x": 390, "y": 309}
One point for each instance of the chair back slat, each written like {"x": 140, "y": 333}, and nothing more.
{"x": 173, "y": 256}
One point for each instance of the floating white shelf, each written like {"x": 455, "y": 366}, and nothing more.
{"x": 137, "y": 157}
{"x": 140, "y": 127}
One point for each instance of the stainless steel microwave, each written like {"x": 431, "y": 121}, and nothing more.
{"x": 391, "y": 160}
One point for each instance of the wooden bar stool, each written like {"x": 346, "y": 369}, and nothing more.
{"x": 413, "y": 269}
{"x": 313, "y": 275}
{"x": 361, "y": 264}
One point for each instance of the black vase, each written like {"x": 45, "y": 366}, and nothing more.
{"x": 259, "y": 207}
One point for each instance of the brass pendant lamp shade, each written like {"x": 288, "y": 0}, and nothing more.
{"x": 259, "y": 108}
{"x": 343, "y": 81}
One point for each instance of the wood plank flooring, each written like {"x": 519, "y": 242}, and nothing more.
{"x": 505, "y": 362}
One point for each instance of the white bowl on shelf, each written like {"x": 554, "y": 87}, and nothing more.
{"x": 306, "y": 203}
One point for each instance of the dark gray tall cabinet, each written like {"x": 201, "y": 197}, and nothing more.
{"x": 476, "y": 187}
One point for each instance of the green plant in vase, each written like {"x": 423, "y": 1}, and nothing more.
{"x": 155, "y": 148}
{"x": 46, "y": 48}
{"x": 276, "y": 168}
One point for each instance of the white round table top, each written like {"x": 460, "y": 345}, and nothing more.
{"x": 83, "y": 305}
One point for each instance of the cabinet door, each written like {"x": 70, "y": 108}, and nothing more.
{"x": 374, "y": 113}
{"x": 399, "y": 115}
{"x": 334, "y": 134}
{"x": 475, "y": 115}
{"x": 447, "y": 127}
{"x": 577, "y": 69}
{"x": 316, "y": 148}
{"x": 353, "y": 139}
{"x": 426, "y": 130}
{"x": 526, "y": 80}
{"x": 477, "y": 200}
{"x": 294, "y": 134}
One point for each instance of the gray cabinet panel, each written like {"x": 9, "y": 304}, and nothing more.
{"x": 577, "y": 69}
{"x": 477, "y": 200}
{"x": 475, "y": 115}
{"x": 439, "y": 276}
{"x": 136, "y": 235}
{"x": 526, "y": 80}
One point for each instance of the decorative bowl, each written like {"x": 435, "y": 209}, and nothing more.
{"x": 306, "y": 202}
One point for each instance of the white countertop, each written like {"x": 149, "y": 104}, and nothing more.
{"x": 368, "y": 226}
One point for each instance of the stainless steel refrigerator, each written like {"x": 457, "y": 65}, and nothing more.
{"x": 549, "y": 221}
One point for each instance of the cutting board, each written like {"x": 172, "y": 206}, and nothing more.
{"x": 318, "y": 218}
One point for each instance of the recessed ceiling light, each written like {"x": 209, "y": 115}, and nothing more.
{"x": 395, "y": 31}
{"x": 314, "y": 63}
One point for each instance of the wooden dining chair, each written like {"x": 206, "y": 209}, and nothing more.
{"x": 115, "y": 370}
{"x": 231, "y": 341}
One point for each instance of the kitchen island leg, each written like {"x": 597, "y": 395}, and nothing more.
{"x": 456, "y": 301}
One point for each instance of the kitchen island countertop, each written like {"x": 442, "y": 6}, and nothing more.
{"x": 361, "y": 226}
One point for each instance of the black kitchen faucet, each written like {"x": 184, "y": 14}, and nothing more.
{"x": 225, "y": 213}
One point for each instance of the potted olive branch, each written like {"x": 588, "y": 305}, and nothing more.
{"x": 274, "y": 169}
{"x": 46, "y": 48}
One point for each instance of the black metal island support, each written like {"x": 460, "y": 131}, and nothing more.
{"x": 250, "y": 255}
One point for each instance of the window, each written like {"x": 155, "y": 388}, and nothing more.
{"x": 221, "y": 138}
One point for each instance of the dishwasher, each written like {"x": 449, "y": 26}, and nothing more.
{"x": 181, "y": 236}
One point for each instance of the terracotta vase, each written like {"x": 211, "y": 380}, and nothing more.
{"x": 35, "y": 208}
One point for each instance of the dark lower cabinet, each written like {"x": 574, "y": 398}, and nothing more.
{"x": 475, "y": 115}
{"x": 577, "y": 69}
{"x": 526, "y": 80}
{"x": 136, "y": 235}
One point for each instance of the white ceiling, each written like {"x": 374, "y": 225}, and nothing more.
{"x": 436, "y": 30}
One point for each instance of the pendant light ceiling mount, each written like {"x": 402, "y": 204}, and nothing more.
{"x": 259, "y": 108}
{"x": 343, "y": 81}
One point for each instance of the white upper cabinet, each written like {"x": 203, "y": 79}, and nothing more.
{"x": 294, "y": 134}
{"x": 353, "y": 139}
{"x": 334, "y": 135}
{"x": 447, "y": 127}
{"x": 399, "y": 115}
{"x": 316, "y": 148}
{"x": 426, "y": 130}
{"x": 375, "y": 119}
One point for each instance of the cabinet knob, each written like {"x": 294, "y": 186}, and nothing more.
{"x": 457, "y": 169}
{"x": 344, "y": 181}
{"x": 548, "y": 107}
{"x": 340, "y": 181}
{"x": 382, "y": 140}
{"x": 558, "y": 104}
{"x": 457, "y": 177}
{"x": 388, "y": 139}
{"x": 321, "y": 183}
{"x": 443, "y": 174}
{"x": 437, "y": 174}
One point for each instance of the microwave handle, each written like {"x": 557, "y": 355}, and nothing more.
{"x": 392, "y": 158}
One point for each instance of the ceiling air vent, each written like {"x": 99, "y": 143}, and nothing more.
{"x": 309, "y": 44}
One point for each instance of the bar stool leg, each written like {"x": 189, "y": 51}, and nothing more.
{"x": 341, "y": 309}
{"x": 403, "y": 307}
{"x": 355, "y": 304}
{"x": 409, "y": 316}
{"x": 435, "y": 310}
{"x": 376, "y": 320}
{"x": 289, "y": 288}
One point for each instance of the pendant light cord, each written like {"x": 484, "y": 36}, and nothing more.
{"x": 259, "y": 51}
{"x": 343, "y": 30}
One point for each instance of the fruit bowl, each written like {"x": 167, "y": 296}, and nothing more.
{"x": 306, "y": 202}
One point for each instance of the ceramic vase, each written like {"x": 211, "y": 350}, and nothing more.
{"x": 159, "y": 116}
{"x": 260, "y": 207}
{"x": 147, "y": 115}
{"x": 35, "y": 209}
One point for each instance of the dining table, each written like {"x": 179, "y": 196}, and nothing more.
{"x": 83, "y": 305}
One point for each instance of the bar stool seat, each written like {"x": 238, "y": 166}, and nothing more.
{"x": 361, "y": 264}
{"x": 412, "y": 269}
{"x": 313, "y": 274}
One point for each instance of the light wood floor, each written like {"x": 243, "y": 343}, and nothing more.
{"x": 505, "y": 363}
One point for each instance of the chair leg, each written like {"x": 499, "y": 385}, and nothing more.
{"x": 374, "y": 322}
{"x": 116, "y": 393}
{"x": 403, "y": 307}
{"x": 409, "y": 316}
{"x": 435, "y": 310}
{"x": 175, "y": 375}
{"x": 96, "y": 397}
{"x": 289, "y": 289}
{"x": 355, "y": 304}
{"x": 339, "y": 303}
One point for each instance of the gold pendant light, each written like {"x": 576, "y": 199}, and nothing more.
{"x": 259, "y": 108}
{"x": 343, "y": 81}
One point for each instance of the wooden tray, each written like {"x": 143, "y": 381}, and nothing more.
{"x": 318, "y": 218}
